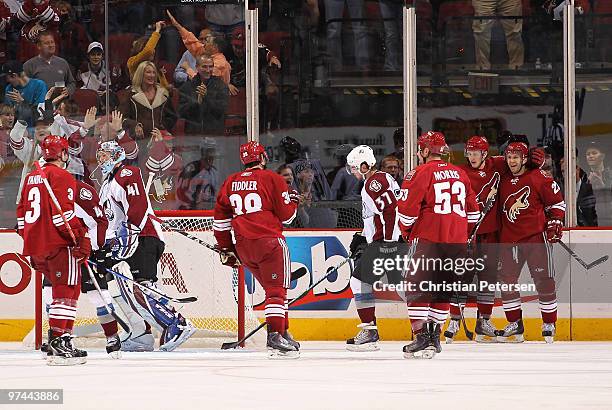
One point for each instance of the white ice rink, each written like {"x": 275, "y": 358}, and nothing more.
{"x": 570, "y": 375}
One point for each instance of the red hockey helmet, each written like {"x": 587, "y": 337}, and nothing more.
{"x": 518, "y": 148}
{"x": 433, "y": 140}
{"x": 252, "y": 152}
{"x": 52, "y": 147}
{"x": 477, "y": 143}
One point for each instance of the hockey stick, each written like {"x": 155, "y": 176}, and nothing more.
{"x": 298, "y": 273}
{"x": 233, "y": 345}
{"x": 578, "y": 259}
{"x": 109, "y": 308}
{"x": 188, "y": 299}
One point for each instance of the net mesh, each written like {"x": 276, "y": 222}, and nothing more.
{"x": 186, "y": 268}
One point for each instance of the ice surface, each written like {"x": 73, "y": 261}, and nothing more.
{"x": 571, "y": 375}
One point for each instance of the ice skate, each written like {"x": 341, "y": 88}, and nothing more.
{"x": 280, "y": 348}
{"x": 485, "y": 331}
{"x": 512, "y": 333}
{"x": 366, "y": 340}
{"x": 289, "y": 337}
{"x": 423, "y": 346}
{"x": 548, "y": 332}
{"x": 176, "y": 334}
{"x": 143, "y": 343}
{"x": 62, "y": 353}
{"x": 434, "y": 335}
{"x": 451, "y": 330}
{"x": 113, "y": 347}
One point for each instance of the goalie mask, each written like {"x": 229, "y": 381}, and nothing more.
{"x": 108, "y": 155}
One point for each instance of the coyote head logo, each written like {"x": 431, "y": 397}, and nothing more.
{"x": 516, "y": 202}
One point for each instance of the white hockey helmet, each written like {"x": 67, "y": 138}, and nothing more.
{"x": 359, "y": 155}
{"x": 117, "y": 154}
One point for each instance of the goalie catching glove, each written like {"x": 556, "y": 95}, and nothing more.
{"x": 228, "y": 256}
{"x": 554, "y": 230}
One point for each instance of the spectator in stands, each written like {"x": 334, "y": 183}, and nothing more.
{"x": 210, "y": 45}
{"x": 93, "y": 75}
{"x": 223, "y": 18}
{"x": 334, "y": 11}
{"x": 73, "y": 37}
{"x": 186, "y": 67}
{"x": 53, "y": 70}
{"x": 310, "y": 191}
{"x": 21, "y": 92}
{"x": 512, "y": 27}
{"x": 9, "y": 167}
{"x": 199, "y": 181}
{"x": 268, "y": 63}
{"x": 286, "y": 172}
{"x": 391, "y": 12}
{"x": 7, "y": 119}
{"x": 203, "y": 100}
{"x": 149, "y": 105}
{"x": 391, "y": 165}
{"x": 143, "y": 49}
{"x": 586, "y": 212}
{"x": 600, "y": 177}
{"x": 37, "y": 17}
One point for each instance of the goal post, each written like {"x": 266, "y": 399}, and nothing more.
{"x": 223, "y": 311}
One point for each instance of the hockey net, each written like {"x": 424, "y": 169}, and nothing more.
{"x": 223, "y": 311}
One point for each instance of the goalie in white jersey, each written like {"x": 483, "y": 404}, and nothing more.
{"x": 380, "y": 227}
{"x": 138, "y": 245}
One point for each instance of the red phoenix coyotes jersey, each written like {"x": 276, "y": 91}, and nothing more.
{"x": 88, "y": 209}
{"x": 526, "y": 202}
{"x": 38, "y": 220}
{"x": 485, "y": 183}
{"x": 255, "y": 203}
{"x": 379, "y": 195}
{"x": 437, "y": 203}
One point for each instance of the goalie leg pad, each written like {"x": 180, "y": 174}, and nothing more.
{"x": 123, "y": 296}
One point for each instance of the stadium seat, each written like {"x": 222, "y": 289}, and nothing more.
{"x": 85, "y": 99}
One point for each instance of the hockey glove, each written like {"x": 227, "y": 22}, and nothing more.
{"x": 554, "y": 230}
{"x": 536, "y": 158}
{"x": 358, "y": 245}
{"x": 82, "y": 250}
{"x": 228, "y": 256}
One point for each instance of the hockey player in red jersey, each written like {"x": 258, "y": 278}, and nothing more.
{"x": 485, "y": 174}
{"x": 436, "y": 205}
{"x": 379, "y": 212}
{"x": 532, "y": 214}
{"x": 89, "y": 211}
{"x": 50, "y": 244}
{"x": 255, "y": 203}
{"x": 138, "y": 246}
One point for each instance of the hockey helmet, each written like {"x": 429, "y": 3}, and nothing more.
{"x": 360, "y": 155}
{"x": 252, "y": 152}
{"x": 518, "y": 148}
{"x": 434, "y": 141}
{"x": 53, "y": 146}
{"x": 116, "y": 155}
{"x": 477, "y": 143}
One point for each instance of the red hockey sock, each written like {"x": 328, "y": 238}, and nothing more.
{"x": 367, "y": 315}
{"x": 484, "y": 309}
{"x": 275, "y": 310}
{"x": 454, "y": 311}
{"x": 418, "y": 311}
{"x": 110, "y": 328}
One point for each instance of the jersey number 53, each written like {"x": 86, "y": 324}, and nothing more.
{"x": 450, "y": 198}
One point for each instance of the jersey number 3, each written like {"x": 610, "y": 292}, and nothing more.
{"x": 250, "y": 204}
{"x": 445, "y": 203}
{"x": 34, "y": 199}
